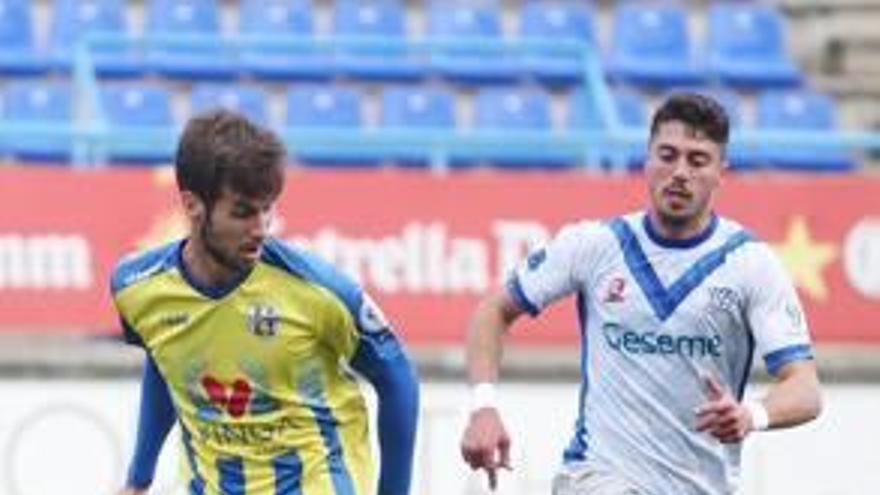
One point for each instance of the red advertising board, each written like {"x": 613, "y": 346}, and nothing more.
{"x": 426, "y": 247}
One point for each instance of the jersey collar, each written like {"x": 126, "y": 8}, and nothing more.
{"x": 210, "y": 291}
{"x": 690, "y": 242}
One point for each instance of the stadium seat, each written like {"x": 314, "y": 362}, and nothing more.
{"x": 508, "y": 110}
{"x": 747, "y": 45}
{"x": 323, "y": 106}
{"x": 276, "y": 17}
{"x": 283, "y": 19}
{"x": 651, "y": 45}
{"x": 71, "y": 19}
{"x": 140, "y": 116}
{"x": 382, "y": 20}
{"x": 471, "y": 23}
{"x": 631, "y": 112}
{"x": 628, "y": 103}
{"x": 40, "y": 104}
{"x": 407, "y": 108}
{"x": 801, "y": 110}
{"x": 554, "y": 21}
{"x": 201, "y": 59}
{"x": 248, "y": 100}
{"x": 19, "y": 54}
{"x": 512, "y": 108}
{"x": 418, "y": 107}
{"x": 313, "y": 107}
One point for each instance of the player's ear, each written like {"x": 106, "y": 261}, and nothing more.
{"x": 193, "y": 206}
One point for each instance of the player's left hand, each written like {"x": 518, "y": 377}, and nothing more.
{"x": 722, "y": 416}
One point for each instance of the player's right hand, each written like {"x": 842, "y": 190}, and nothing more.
{"x": 485, "y": 444}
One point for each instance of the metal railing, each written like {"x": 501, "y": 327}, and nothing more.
{"x": 93, "y": 138}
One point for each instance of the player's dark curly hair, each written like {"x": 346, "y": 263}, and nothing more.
{"x": 223, "y": 148}
{"x": 699, "y": 112}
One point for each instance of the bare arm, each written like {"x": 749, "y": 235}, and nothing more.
{"x": 485, "y": 443}
{"x": 795, "y": 397}
{"x": 488, "y": 325}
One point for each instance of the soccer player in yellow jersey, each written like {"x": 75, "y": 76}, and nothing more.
{"x": 253, "y": 345}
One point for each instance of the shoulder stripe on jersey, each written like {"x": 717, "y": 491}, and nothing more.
{"x": 288, "y": 473}
{"x": 664, "y": 300}
{"x": 515, "y": 291}
{"x": 316, "y": 270}
{"x": 779, "y": 358}
{"x": 143, "y": 266}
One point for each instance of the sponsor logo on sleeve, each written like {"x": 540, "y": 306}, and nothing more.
{"x": 371, "y": 319}
{"x": 536, "y": 259}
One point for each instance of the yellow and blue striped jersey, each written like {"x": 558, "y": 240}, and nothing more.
{"x": 259, "y": 375}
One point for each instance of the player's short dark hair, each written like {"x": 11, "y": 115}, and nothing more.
{"x": 701, "y": 113}
{"x": 223, "y": 148}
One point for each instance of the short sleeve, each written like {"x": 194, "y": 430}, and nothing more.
{"x": 775, "y": 314}
{"x": 556, "y": 269}
{"x": 346, "y": 324}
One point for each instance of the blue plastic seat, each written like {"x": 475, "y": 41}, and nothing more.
{"x": 325, "y": 107}
{"x": 554, "y": 21}
{"x": 197, "y": 60}
{"x": 247, "y": 100}
{"x": 29, "y": 104}
{"x": 801, "y": 110}
{"x": 140, "y": 117}
{"x": 380, "y": 20}
{"x": 747, "y": 45}
{"x": 631, "y": 113}
{"x": 628, "y": 104}
{"x": 19, "y": 54}
{"x": 507, "y": 110}
{"x": 276, "y": 17}
{"x": 462, "y": 22}
{"x": 282, "y": 19}
{"x": 651, "y": 45}
{"x": 512, "y": 108}
{"x": 416, "y": 108}
{"x": 72, "y": 19}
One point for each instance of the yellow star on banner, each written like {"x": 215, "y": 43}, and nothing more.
{"x": 805, "y": 258}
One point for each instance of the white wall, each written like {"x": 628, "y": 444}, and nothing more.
{"x": 74, "y": 437}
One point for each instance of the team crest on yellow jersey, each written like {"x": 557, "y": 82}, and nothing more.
{"x": 263, "y": 320}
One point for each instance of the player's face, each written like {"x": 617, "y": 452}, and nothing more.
{"x": 683, "y": 172}
{"x": 234, "y": 230}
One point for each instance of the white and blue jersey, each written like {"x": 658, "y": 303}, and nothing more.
{"x": 656, "y": 316}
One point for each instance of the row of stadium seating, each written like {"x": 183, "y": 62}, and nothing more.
{"x": 426, "y": 107}
{"x": 651, "y": 41}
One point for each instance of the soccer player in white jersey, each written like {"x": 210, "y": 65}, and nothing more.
{"x": 673, "y": 302}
